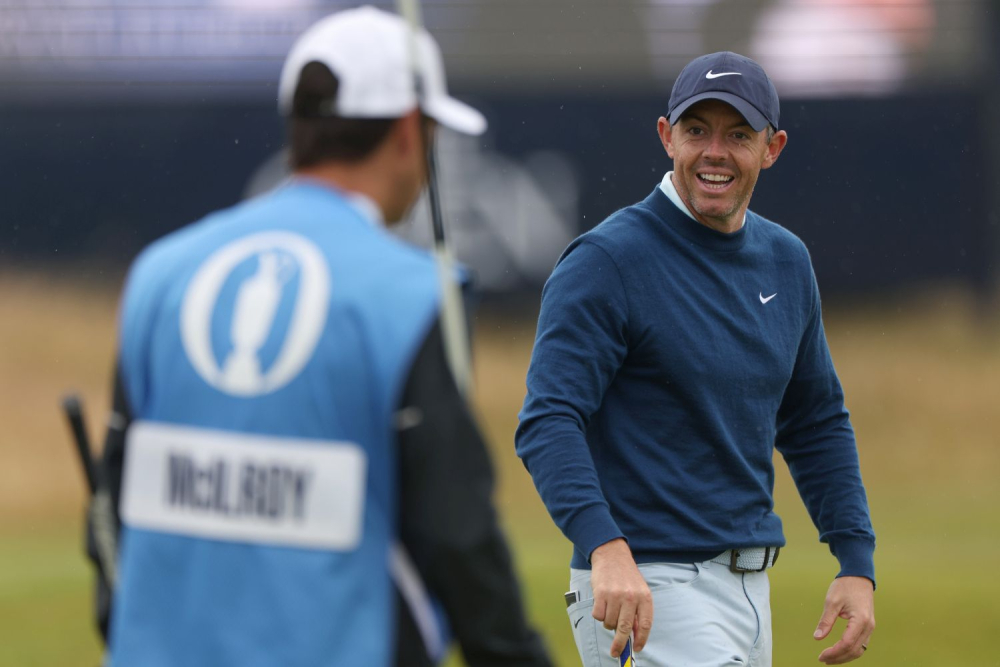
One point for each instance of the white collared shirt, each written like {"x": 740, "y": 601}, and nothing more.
{"x": 363, "y": 204}
{"x": 366, "y": 206}
{"x": 667, "y": 186}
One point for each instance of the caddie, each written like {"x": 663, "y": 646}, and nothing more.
{"x": 679, "y": 343}
{"x": 299, "y": 480}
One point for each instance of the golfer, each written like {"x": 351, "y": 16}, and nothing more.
{"x": 679, "y": 343}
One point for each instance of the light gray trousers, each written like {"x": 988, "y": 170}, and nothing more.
{"x": 703, "y": 616}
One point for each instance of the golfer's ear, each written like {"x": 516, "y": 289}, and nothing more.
{"x": 774, "y": 148}
{"x": 666, "y": 132}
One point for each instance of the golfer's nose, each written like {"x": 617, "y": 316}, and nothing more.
{"x": 716, "y": 148}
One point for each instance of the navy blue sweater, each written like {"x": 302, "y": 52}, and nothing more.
{"x": 662, "y": 378}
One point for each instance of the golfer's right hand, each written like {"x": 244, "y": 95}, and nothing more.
{"x": 622, "y": 600}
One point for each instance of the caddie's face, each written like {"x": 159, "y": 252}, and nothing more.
{"x": 409, "y": 164}
{"x": 717, "y": 159}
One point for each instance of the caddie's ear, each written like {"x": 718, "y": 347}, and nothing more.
{"x": 408, "y": 133}
{"x": 664, "y": 130}
{"x": 774, "y": 149}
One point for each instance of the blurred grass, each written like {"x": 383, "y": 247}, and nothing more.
{"x": 922, "y": 382}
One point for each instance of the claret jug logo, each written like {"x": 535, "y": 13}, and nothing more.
{"x": 282, "y": 304}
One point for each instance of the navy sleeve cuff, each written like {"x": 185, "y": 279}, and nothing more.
{"x": 591, "y": 528}
{"x": 856, "y": 558}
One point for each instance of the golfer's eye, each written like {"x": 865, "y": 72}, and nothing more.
{"x": 696, "y": 131}
{"x": 741, "y": 136}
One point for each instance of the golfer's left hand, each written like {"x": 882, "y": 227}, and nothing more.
{"x": 853, "y": 599}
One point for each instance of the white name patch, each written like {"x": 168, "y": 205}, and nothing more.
{"x": 243, "y": 487}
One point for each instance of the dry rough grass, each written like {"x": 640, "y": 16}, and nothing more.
{"x": 55, "y": 335}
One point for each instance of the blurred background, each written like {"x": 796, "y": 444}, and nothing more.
{"x": 121, "y": 120}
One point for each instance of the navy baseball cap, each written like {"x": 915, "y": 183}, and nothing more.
{"x": 732, "y": 78}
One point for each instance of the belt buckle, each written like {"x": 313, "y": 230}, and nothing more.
{"x": 734, "y": 555}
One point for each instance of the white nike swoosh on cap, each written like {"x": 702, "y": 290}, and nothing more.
{"x": 716, "y": 76}
{"x": 765, "y": 299}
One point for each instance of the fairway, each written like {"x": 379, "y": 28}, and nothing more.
{"x": 922, "y": 380}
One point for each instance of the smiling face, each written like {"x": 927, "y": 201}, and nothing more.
{"x": 717, "y": 158}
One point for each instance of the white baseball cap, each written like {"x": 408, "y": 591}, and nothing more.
{"x": 369, "y": 52}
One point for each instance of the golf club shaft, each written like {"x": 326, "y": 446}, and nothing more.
{"x": 453, "y": 322}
